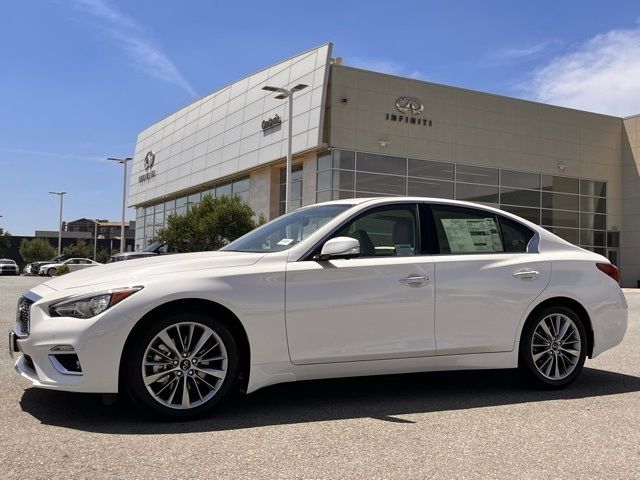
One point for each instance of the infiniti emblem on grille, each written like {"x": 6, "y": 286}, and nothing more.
{"x": 409, "y": 106}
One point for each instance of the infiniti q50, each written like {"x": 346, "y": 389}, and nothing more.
{"x": 344, "y": 288}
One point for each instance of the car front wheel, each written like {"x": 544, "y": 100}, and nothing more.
{"x": 553, "y": 347}
{"x": 182, "y": 365}
{"x": 52, "y": 272}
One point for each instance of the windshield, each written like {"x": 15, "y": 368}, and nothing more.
{"x": 284, "y": 232}
{"x": 156, "y": 247}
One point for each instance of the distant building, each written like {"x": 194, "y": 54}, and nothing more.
{"x": 107, "y": 229}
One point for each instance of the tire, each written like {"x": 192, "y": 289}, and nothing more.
{"x": 52, "y": 272}
{"x": 552, "y": 358}
{"x": 164, "y": 395}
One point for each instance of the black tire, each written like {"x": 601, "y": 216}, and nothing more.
{"x": 132, "y": 375}
{"x": 52, "y": 272}
{"x": 527, "y": 364}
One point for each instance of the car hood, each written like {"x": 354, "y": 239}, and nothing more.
{"x": 130, "y": 272}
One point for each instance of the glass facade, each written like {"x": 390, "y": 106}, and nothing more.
{"x": 572, "y": 208}
{"x": 152, "y": 218}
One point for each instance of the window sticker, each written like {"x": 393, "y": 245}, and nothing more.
{"x": 467, "y": 235}
{"x": 285, "y": 241}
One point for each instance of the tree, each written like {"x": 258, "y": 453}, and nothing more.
{"x": 79, "y": 249}
{"x": 103, "y": 255}
{"x": 36, "y": 250}
{"x": 5, "y": 241}
{"x": 209, "y": 225}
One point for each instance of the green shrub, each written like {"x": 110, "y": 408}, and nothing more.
{"x": 62, "y": 270}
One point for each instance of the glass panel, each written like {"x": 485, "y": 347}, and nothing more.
{"x": 509, "y": 178}
{"x": 613, "y": 256}
{"x": 428, "y": 169}
{"x": 601, "y": 251}
{"x": 344, "y": 159}
{"x": 463, "y": 230}
{"x": 560, "y": 184}
{"x": 159, "y": 208}
{"x": 296, "y": 190}
{"x": 139, "y": 213}
{"x": 244, "y": 196}
{"x": 560, "y": 201}
{"x": 515, "y": 196}
{"x": 467, "y": 173}
{"x": 430, "y": 188}
{"x": 341, "y": 194}
{"x": 559, "y": 218}
{"x": 613, "y": 239}
{"x": 323, "y": 180}
{"x": 324, "y": 161}
{"x": 296, "y": 172}
{"x": 370, "y": 162}
{"x": 170, "y": 205}
{"x": 593, "y": 188}
{"x": 343, "y": 180}
{"x": 593, "y": 204}
{"x": 193, "y": 199}
{"x": 569, "y": 234}
{"x": 159, "y": 219}
{"x": 181, "y": 202}
{"x": 593, "y": 237}
{"x": 476, "y": 193}
{"x": 531, "y": 214}
{"x": 370, "y": 182}
{"x": 594, "y": 221}
{"x": 224, "y": 189}
{"x": 323, "y": 196}
{"x": 384, "y": 232}
{"x": 241, "y": 185}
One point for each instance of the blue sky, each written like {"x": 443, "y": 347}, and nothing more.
{"x": 80, "y": 78}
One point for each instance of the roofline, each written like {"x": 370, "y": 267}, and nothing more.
{"x": 234, "y": 81}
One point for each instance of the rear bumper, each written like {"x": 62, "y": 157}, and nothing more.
{"x": 609, "y": 321}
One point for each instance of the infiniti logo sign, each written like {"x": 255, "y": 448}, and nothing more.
{"x": 409, "y": 106}
{"x": 149, "y": 160}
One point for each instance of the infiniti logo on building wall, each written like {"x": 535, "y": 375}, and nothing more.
{"x": 149, "y": 160}
{"x": 409, "y": 105}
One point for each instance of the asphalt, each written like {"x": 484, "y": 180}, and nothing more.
{"x": 466, "y": 425}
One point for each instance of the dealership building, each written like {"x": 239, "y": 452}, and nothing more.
{"x": 359, "y": 133}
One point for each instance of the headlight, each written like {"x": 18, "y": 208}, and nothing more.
{"x": 91, "y": 305}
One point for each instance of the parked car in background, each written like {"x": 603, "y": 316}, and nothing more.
{"x": 34, "y": 267}
{"x": 74, "y": 264}
{"x": 8, "y": 267}
{"x": 366, "y": 286}
{"x": 156, "y": 248}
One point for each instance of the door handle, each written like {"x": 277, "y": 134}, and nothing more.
{"x": 414, "y": 280}
{"x": 526, "y": 274}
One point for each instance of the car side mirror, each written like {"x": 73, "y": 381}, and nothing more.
{"x": 339, "y": 247}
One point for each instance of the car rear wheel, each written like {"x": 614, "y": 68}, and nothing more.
{"x": 553, "y": 347}
{"x": 52, "y": 272}
{"x": 182, "y": 365}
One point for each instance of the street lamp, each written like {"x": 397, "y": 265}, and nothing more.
{"x": 61, "y": 195}
{"x": 123, "y": 161}
{"x": 287, "y": 93}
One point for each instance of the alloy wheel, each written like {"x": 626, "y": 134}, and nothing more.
{"x": 556, "y": 346}
{"x": 184, "y": 365}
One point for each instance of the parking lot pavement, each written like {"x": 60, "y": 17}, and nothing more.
{"x": 437, "y": 425}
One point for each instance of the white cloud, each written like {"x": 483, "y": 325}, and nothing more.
{"x": 386, "y": 66}
{"x": 132, "y": 38}
{"x": 600, "y": 75}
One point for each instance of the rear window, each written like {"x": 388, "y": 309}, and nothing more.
{"x": 462, "y": 230}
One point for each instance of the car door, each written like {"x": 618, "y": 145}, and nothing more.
{"x": 486, "y": 279}
{"x": 72, "y": 264}
{"x": 376, "y": 306}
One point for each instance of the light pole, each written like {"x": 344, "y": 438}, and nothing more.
{"x": 61, "y": 195}
{"x": 287, "y": 93}
{"x": 95, "y": 239}
{"x": 123, "y": 161}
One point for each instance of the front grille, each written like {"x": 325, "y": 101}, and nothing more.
{"x": 23, "y": 315}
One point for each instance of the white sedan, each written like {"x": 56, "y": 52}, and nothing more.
{"x": 74, "y": 264}
{"x": 345, "y": 288}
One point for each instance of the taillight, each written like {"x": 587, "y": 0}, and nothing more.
{"x": 609, "y": 269}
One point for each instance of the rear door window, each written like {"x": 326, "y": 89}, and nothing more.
{"x": 462, "y": 230}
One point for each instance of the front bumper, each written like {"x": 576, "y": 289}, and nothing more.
{"x": 95, "y": 343}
